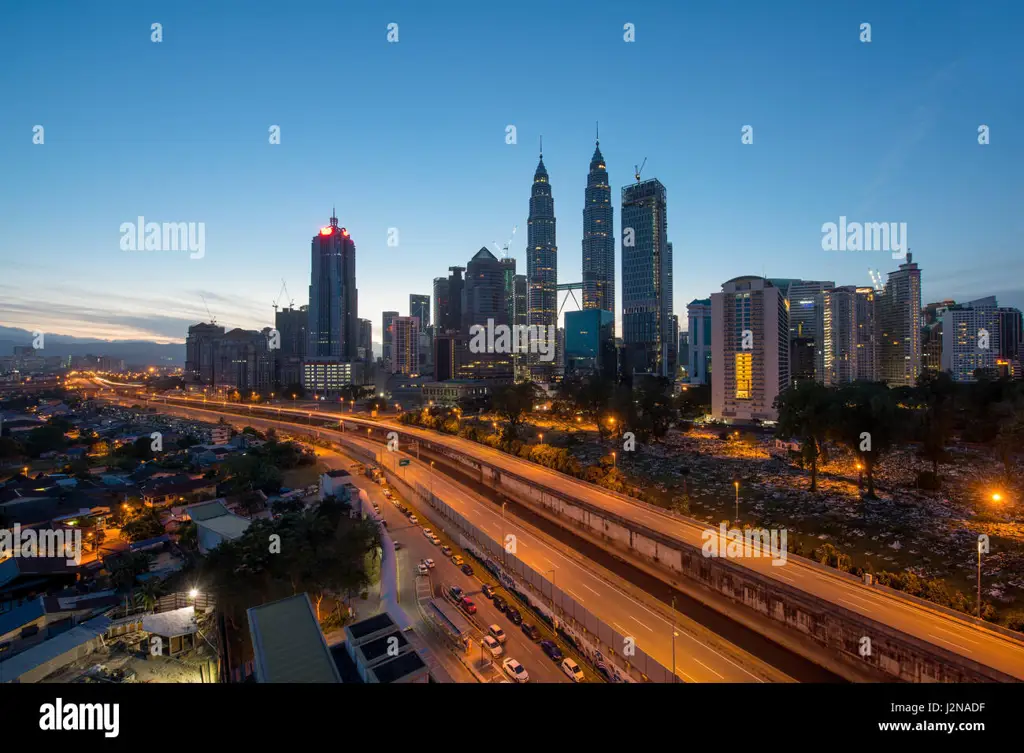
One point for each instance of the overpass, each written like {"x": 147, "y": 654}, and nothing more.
{"x": 814, "y": 610}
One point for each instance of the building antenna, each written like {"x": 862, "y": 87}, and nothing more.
{"x": 597, "y": 131}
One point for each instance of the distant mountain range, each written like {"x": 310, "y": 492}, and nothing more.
{"x": 134, "y": 352}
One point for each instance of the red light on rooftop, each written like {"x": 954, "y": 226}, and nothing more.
{"x": 325, "y": 231}
{"x": 344, "y": 232}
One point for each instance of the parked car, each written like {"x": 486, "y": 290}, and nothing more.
{"x": 572, "y": 669}
{"x": 513, "y": 614}
{"x": 515, "y": 670}
{"x": 429, "y": 563}
{"x": 435, "y": 541}
{"x": 500, "y": 604}
{"x": 497, "y": 633}
{"x": 467, "y": 569}
{"x": 446, "y": 551}
{"x": 457, "y": 560}
{"x": 413, "y": 519}
{"x": 467, "y": 604}
{"x": 422, "y": 569}
{"x": 455, "y": 592}
{"x": 427, "y": 532}
{"x": 487, "y": 590}
{"x": 552, "y": 650}
{"x": 493, "y": 646}
{"x": 531, "y": 631}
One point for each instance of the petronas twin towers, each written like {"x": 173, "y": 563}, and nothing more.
{"x": 542, "y": 252}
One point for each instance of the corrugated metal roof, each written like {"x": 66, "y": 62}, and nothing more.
{"x": 51, "y": 649}
{"x": 288, "y": 645}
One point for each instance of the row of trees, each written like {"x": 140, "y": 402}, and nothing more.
{"x": 869, "y": 419}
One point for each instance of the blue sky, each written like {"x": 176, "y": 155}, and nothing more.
{"x": 412, "y": 136}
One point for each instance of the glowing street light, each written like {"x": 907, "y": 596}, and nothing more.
{"x": 737, "y": 485}
{"x": 997, "y": 497}
{"x": 193, "y": 593}
{"x": 615, "y": 463}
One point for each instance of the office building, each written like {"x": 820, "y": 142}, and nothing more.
{"x": 865, "y": 318}
{"x": 365, "y": 340}
{"x": 291, "y": 325}
{"x": 971, "y": 338}
{"x": 683, "y": 355}
{"x": 541, "y": 271}
{"x": 598, "y": 237}
{"x": 836, "y": 330}
{"x": 898, "y": 308}
{"x": 699, "y": 327}
{"x": 647, "y": 330}
{"x": 802, "y": 359}
{"x": 441, "y": 304}
{"x": 590, "y": 342}
{"x": 242, "y": 361}
{"x": 750, "y": 351}
{"x": 405, "y": 345}
{"x": 199, "y": 352}
{"x": 419, "y": 306}
{"x": 455, "y": 297}
{"x": 484, "y": 302}
{"x": 333, "y": 322}
{"x": 1011, "y": 334}
{"x": 508, "y": 276}
{"x": 327, "y": 376}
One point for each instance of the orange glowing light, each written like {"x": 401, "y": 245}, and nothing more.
{"x": 325, "y": 231}
{"x": 344, "y": 232}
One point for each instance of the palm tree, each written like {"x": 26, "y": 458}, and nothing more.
{"x": 147, "y": 596}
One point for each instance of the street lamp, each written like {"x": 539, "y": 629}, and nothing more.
{"x": 504, "y": 551}
{"x": 737, "y": 485}
{"x": 860, "y": 476}
{"x": 979, "y": 579}
{"x": 431, "y": 478}
{"x": 615, "y": 462}
{"x": 675, "y": 678}
{"x": 542, "y": 437}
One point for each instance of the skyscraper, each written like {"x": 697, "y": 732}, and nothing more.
{"x": 750, "y": 349}
{"x": 455, "y": 287}
{"x": 366, "y": 339}
{"x": 899, "y": 326}
{"x": 508, "y": 272}
{"x": 699, "y": 316}
{"x": 442, "y": 304}
{"x": 291, "y": 324}
{"x": 387, "y": 337}
{"x": 647, "y": 329}
{"x": 867, "y": 334}
{"x": 598, "y": 237}
{"x": 405, "y": 345}
{"x": 836, "y": 310}
{"x": 484, "y": 301}
{"x": 542, "y": 269}
{"x": 419, "y": 306}
{"x": 333, "y": 327}
{"x": 521, "y": 307}
{"x": 971, "y": 338}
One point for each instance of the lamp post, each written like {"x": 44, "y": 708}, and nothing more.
{"x": 737, "y": 485}
{"x": 615, "y": 462}
{"x": 979, "y": 579}
{"x": 504, "y": 551}
{"x": 431, "y": 478}
{"x": 675, "y": 677}
{"x": 552, "y": 571}
{"x": 860, "y": 477}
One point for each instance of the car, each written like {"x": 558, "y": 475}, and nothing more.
{"x": 413, "y": 519}
{"x": 422, "y": 569}
{"x": 500, "y": 604}
{"x": 427, "y": 532}
{"x": 429, "y": 563}
{"x": 530, "y": 631}
{"x": 446, "y": 551}
{"x": 552, "y": 650}
{"x": 513, "y": 614}
{"x": 457, "y": 560}
{"x": 435, "y": 541}
{"x": 455, "y": 592}
{"x": 497, "y": 633}
{"x": 467, "y": 569}
{"x": 467, "y": 604}
{"x": 487, "y": 590}
{"x": 515, "y": 670}
{"x": 572, "y": 669}
{"x": 492, "y": 646}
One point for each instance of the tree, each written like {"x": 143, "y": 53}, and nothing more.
{"x": 9, "y": 449}
{"x": 1010, "y": 432}
{"x": 44, "y": 439}
{"x": 655, "y": 406}
{"x": 805, "y": 411}
{"x": 148, "y": 595}
{"x": 868, "y": 418}
{"x": 935, "y": 391}
{"x": 127, "y": 567}
{"x": 513, "y": 402}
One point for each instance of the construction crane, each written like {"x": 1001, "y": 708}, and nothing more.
{"x": 504, "y": 249}
{"x": 213, "y": 319}
{"x": 876, "y": 279}
{"x": 639, "y": 170}
{"x": 283, "y": 291}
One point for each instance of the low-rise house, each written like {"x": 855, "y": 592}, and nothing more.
{"x": 215, "y": 524}
{"x": 158, "y": 493}
{"x": 337, "y": 484}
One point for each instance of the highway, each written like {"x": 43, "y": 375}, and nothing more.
{"x": 696, "y": 660}
{"x": 940, "y": 629}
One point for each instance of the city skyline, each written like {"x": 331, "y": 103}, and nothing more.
{"x": 906, "y": 151}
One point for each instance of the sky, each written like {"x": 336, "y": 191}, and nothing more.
{"x": 411, "y": 135}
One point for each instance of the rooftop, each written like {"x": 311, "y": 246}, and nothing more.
{"x": 288, "y": 645}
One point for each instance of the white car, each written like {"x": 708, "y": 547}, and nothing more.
{"x": 435, "y": 541}
{"x": 428, "y": 533}
{"x": 422, "y": 569}
{"x": 413, "y": 519}
{"x": 429, "y": 563}
{"x": 572, "y": 669}
{"x": 497, "y": 633}
{"x": 515, "y": 670}
{"x": 493, "y": 646}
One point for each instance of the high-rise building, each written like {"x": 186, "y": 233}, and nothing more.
{"x": 199, "y": 352}
{"x": 333, "y": 327}
{"x": 541, "y": 271}
{"x": 836, "y": 329}
{"x": 699, "y": 327}
{"x": 801, "y": 359}
{"x": 802, "y": 296}
{"x": 1011, "y": 333}
{"x": 899, "y": 326}
{"x": 521, "y": 307}
{"x": 291, "y": 325}
{"x": 365, "y": 339}
{"x": 931, "y": 334}
{"x": 442, "y": 304}
{"x": 684, "y": 356}
{"x": 387, "y": 339}
{"x": 750, "y": 350}
{"x": 419, "y": 306}
{"x": 971, "y": 338}
{"x": 484, "y": 302}
{"x": 867, "y": 334}
{"x": 590, "y": 342}
{"x": 647, "y": 280}
{"x": 243, "y": 361}
{"x": 508, "y": 277}
{"x": 405, "y": 345}
{"x": 598, "y": 237}
{"x": 455, "y": 296}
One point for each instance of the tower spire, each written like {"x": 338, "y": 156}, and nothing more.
{"x": 597, "y": 132}
{"x": 334, "y": 217}
{"x": 542, "y": 147}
